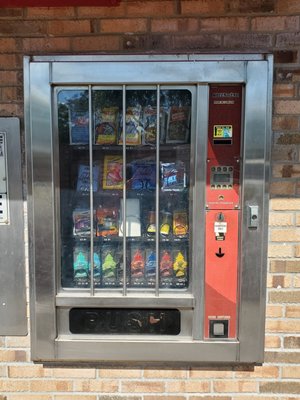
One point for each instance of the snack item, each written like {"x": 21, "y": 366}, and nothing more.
{"x": 97, "y": 269}
{"x": 107, "y": 221}
{"x": 143, "y": 175}
{"x": 79, "y": 127}
{"x": 107, "y": 129}
{"x": 166, "y": 269}
{"x": 165, "y": 265}
{"x": 173, "y": 176}
{"x": 120, "y": 266}
{"x": 166, "y": 223}
{"x": 133, "y": 128}
{"x": 81, "y": 222}
{"x": 109, "y": 267}
{"x": 83, "y": 180}
{"x": 178, "y": 124}
{"x": 180, "y": 268}
{"x": 150, "y": 125}
{"x": 151, "y": 227}
{"x": 113, "y": 172}
{"x": 137, "y": 267}
{"x": 81, "y": 266}
{"x": 180, "y": 265}
{"x": 150, "y": 267}
{"x": 180, "y": 223}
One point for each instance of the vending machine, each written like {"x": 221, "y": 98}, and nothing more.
{"x": 148, "y": 205}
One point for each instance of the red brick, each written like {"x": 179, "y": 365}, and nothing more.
{"x": 282, "y": 188}
{"x": 8, "y": 61}
{"x": 11, "y": 12}
{"x": 103, "y": 12}
{"x": 174, "y": 25}
{"x": 289, "y": 123}
{"x": 8, "y": 78}
{"x": 284, "y": 90}
{"x": 8, "y": 45}
{"x": 44, "y": 45}
{"x": 224, "y": 24}
{"x": 254, "y": 6}
{"x": 50, "y": 12}
{"x": 275, "y": 24}
{"x": 287, "y": 107}
{"x": 203, "y": 7}
{"x": 123, "y": 25}
{"x": 58, "y": 28}
{"x": 290, "y": 6}
{"x": 22, "y": 28}
{"x": 284, "y": 153}
{"x": 11, "y": 110}
{"x": 150, "y": 8}
{"x": 96, "y": 43}
{"x": 286, "y": 171}
{"x": 287, "y": 138}
{"x": 285, "y": 56}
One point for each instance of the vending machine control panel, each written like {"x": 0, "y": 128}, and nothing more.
{"x": 223, "y": 209}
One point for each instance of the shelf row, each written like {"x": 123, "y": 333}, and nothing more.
{"x": 142, "y": 270}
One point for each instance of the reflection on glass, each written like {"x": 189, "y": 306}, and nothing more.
{"x": 143, "y": 192}
{"x": 174, "y": 193}
{"x": 74, "y": 169}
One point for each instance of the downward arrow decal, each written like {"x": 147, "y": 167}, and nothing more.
{"x": 220, "y": 254}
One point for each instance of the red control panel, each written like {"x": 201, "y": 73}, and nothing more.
{"x": 224, "y": 147}
{"x": 222, "y": 215}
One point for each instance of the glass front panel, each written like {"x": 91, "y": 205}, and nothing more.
{"x": 125, "y": 217}
{"x": 74, "y": 163}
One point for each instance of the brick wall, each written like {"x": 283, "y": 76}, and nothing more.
{"x": 177, "y": 26}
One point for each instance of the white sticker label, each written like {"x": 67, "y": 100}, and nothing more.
{"x": 220, "y": 227}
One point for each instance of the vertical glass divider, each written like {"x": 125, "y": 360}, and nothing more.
{"x": 124, "y": 192}
{"x": 91, "y": 191}
{"x": 157, "y": 191}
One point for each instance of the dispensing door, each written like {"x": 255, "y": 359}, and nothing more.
{"x": 148, "y": 181}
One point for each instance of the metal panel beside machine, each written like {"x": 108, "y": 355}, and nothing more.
{"x": 12, "y": 270}
{"x": 141, "y": 182}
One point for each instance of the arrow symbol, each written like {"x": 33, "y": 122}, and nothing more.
{"x": 220, "y": 254}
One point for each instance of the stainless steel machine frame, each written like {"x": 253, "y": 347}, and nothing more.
{"x": 50, "y": 304}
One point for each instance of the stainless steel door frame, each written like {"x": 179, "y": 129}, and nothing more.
{"x": 41, "y": 74}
